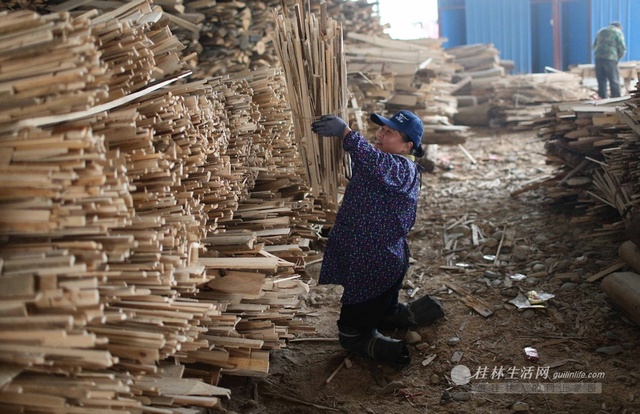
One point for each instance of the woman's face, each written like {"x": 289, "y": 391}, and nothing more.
{"x": 390, "y": 140}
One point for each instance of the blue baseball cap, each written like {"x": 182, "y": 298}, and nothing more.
{"x": 405, "y": 121}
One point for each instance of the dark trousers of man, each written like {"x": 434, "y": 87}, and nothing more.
{"x": 607, "y": 72}
{"x": 365, "y": 316}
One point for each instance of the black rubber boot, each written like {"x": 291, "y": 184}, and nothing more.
{"x": 375, "y": 345}
{"x": 422, "y": 312}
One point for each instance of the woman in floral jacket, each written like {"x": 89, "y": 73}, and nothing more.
{"x": 367, "y": 251}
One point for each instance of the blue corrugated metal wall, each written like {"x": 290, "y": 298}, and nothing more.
{"x": 542, "y": 36}
{"x": 452, "y": 18}
{"x": 504, "y": 23}
{"x": 632, "y": 32}
{"x": 521, "y": 29}
{"x": 576, "y": 40}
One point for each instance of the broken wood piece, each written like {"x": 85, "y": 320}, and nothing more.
{"x": 248, "y": 363}
{"x": 502, "y": 239}
{"x": 467, "y": 154}
{"x": 624, "y": 290}
{"x": 183, "y": 386}
{"x": 551, "y": 342}
{"x": 335, "y": 371}
{"x": 630, "y": 253}
{"x": 313, "y": 340}
{"x": 232, "y": 281}
{"x": 480, "y": 306}
{"x": 296, "y": 400}
{"x": 8, "y": 372}
{"x": 615, "y": 266}
{"x": 269, "y": 264}
{"x": 209, "y": 402}
{"x": 532, "y": 185}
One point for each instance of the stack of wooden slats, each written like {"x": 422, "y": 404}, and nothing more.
{"x": 475, "y": 58}
{"x": 618, "y": 184}
{"x": 419, "y": 72}
{"x": 57, "y": 260}
{"x": 479, "y": 66}
{"x": 597, "y": 143}
{"x": 518, "y": 100}
{"x": 488, "y": 96}
{"x": 311, "y": 52}
{"x": 226, "y": 37}
{"x": 110, "y": 210}
{"x": 69, "y": 77}
{"x": 403, "y": 60}
{"x": 628, "y": 74}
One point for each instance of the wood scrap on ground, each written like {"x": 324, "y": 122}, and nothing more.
{"x": 473, "y": 302}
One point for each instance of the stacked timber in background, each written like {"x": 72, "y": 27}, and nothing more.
{"x": 418, "y": 72}
{"x": 489, "y": 96}
{"x": 225, "y": 37}
{"x": 479, "y": 68}
{"x": 236, "y": 35}
{"x": 628, "y": 74}
{"x": 597, "y": 144}
{"x": 519, "y": 100}
{"x": 152, "y": 233}
{"x": 228, "y": 37}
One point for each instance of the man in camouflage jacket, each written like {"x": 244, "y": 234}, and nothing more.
{"x": 608, "y": 49}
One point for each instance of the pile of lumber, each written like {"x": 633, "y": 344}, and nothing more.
{"x": 518, "y": 100}
{"x": 310, "y": 50}
{"x": 596, "y": 142}
{"x": 220, "y": 38}
{"x": 237, "y": 35}
{"x": 402, "y": 61}
{"x": 153, "y": 231}
{"x": 475, "y": 58}
{"x": 478, "y": 66}
{"x": 487, "y": 95}
{"x": 411, "y": 75}
{"x": 596, "y": 145}
{"x": 628, "y": 74}
{"x": 226, "y": 37}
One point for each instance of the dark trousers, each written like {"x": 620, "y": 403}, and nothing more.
{"x": 366, "y": 315}
{"x": 607, "y": 72}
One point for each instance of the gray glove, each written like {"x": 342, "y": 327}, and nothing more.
{"x": 329, "y": 126}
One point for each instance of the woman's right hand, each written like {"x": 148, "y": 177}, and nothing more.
{"x": 329, "y": 126}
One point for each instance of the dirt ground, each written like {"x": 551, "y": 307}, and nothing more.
{"x": 588, "y": 351}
